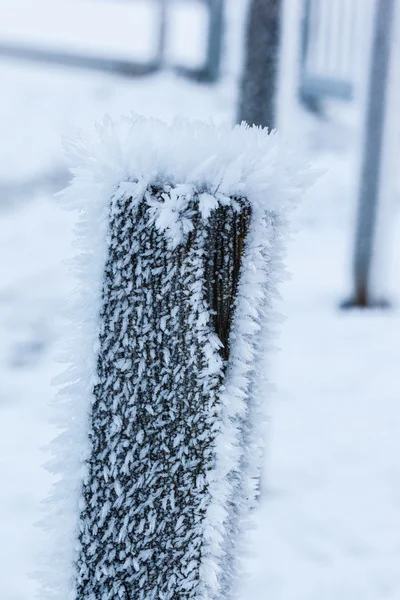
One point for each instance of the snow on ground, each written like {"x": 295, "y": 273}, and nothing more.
{"x": 328, "y": 524}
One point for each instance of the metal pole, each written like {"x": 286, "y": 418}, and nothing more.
{"x": 83, "y": 61}
{"x": 215, "y": 40}
{"x": 211, "y": 70}
{"x": 257, "y": 104}
{"x": 162, "y": 32}
{"x": 311, "y": 101}
{"x": 371, "y": 174}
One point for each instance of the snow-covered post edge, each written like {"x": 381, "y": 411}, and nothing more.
{"x": 182, "y": 234}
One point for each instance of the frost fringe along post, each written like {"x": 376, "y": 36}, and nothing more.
{"x": 182, "y": 234}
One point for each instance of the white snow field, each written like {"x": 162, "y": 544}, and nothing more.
{"x": 328, "y": 523}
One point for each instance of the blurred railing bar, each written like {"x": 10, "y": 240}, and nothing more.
{"x": 162, "y": 32}
{"x": 378, "y": 172}
{"x": 211, "y": 70}
{"x": 83, "y": 61}
{"x": 18, "y": 191}
{"x": 98, "y": 63}
{"x": 325, "y": 86}
{"x": 322, "y": 70}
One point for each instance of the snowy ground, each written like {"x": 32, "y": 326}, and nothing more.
{"x": 328, "y": 525}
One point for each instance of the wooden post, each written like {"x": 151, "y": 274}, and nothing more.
{"x": 182, "y": 235}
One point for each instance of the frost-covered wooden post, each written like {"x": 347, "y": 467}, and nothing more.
{"x": 182, "y": 234}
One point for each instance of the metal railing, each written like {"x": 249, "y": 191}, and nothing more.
{"x": 333, "y": 42}
{"x": 209, "y": 71}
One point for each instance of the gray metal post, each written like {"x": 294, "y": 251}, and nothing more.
{"x": 260, "y": 76}
{"x": 211, "y": 70}
{"x": 309, "y": 99}
{"x": 162, "y": 31}
{"x": 215, "y": 41}
{"x": 373, "y": 154}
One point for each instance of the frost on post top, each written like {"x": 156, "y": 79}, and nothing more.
{"x": 182, "y": 234}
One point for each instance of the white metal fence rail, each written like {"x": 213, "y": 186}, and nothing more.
{"x": 334, "y": 40}
{"x": 79, "y": 34}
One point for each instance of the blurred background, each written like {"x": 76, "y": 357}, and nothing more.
{"x": 326, "y": 74}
